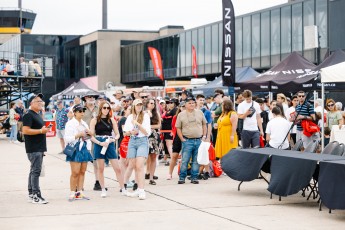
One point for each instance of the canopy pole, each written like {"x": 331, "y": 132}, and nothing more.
{"x": 322, "y": 115}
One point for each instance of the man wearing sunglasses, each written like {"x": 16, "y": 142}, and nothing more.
{"x": 34, "y": 132}
{"x": 305, "y": 111}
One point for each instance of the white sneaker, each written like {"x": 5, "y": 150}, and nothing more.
{"x": 124, "y": 192}
{"x": 142, "y": 195}
{"x": 104, "y": 194}
{"x": 16, "y": 142}
{"x": 38, "y": 199}
{"x": 133, "y": 194}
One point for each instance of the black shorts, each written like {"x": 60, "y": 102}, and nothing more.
{"x": 177, "y": 145}
{"x": 167, "y": 136}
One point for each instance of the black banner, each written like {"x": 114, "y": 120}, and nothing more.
{"x": 228, "y": 53}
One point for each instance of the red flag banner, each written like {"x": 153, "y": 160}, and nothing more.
{"x": 156, "y": 62}
{"x": 194, "y": 63}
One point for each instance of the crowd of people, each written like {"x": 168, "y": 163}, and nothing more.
{"x": 127, "y": 132}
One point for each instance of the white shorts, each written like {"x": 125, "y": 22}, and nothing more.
{"x": 306, "y": 140}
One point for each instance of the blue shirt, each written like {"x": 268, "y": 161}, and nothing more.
{"x": 305, "y": 110}
{"x": 61, "y": 118}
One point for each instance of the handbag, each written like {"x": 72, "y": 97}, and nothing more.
{"x": 71, "y": 148}
{"x": 217, "y": 169}
{"x": 211, "y": 153}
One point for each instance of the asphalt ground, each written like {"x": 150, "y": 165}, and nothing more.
{"x": 212, "y": 204}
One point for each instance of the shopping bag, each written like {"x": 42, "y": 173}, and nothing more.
{"x": 211, "y": 153}
{"x": 124, "y": 146}
{"x": 217, "y": 169}
{"x": 203, "y": 157}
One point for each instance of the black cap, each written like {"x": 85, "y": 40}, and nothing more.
{"x": 34, "y": 96}
{"x": 78, "y": 107}
{"x": 190, "y": 99}
{"x": 174, "y": 100}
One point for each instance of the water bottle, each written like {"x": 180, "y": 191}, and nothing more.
{"x": 104, "y": 149}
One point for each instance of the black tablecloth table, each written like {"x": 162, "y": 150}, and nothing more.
{"x": 243, "y": 164}
{"x": 332, "y": 184}
{"x": 289, "y": 174}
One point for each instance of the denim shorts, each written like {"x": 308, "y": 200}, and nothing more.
{"x": 109, "y": 154}
{"x": 138, "y": 147}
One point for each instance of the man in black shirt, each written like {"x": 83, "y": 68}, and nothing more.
{"x": 35, "y": 145}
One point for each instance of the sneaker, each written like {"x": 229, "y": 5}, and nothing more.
{"x": 104, "y": 194}
{"x": 200, "y": 176}
{"x": 180, "y": 181}
{"x": 124, "y": 192}
{"x": 152, "y": 182}
{"x": 38, "y": 199}
{"x": 167, "y": 163}
{"x": 142, "y": 195}
{"x": 206, "y": 175}
{"x": 81, "y": 196}
{"x": 30, "y": 197}
{"x": 169, "y": 177}
{"x": 194, "y": 181}
{"x": 16, "y": 142}
{"x": 72, "y": 197}
{"x": 133, "y": 194}
{"x": 135, "y": 186}
{"x": 97, "y": 186}
{"x": 155, "y": 177}
{"x": 147, "y": 176}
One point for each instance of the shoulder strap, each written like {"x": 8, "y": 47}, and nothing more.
{"x": 107, "y": 125}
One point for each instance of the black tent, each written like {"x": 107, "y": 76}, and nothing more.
{"x": 282, "y": 77}
{"x": 242, "y": 74}
{"x": 314, "y": 79}
{"x": 75, "y": 89}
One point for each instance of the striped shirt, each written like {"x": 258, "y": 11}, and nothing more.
{"x": 305, "y": 110}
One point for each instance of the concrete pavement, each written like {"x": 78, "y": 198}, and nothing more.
{"x": 213, "y": 204}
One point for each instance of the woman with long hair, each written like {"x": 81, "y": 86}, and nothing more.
{"x": 103, "y": 127}
{"x": 281, "y": 98}
{"x": 77, "y": 130}
{"x": 227, "y": 123}
{"x": 154, "y": 140}
{"x": 138, "y": 127}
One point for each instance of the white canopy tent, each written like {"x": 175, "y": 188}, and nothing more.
{"x": 331, "y": 74}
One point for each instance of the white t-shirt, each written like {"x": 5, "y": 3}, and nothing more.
{"x": 249, "y": 123}
{"x": 288, "y": 116}
{"x": 278, "y": 128}
{"x": 146, "y": 125}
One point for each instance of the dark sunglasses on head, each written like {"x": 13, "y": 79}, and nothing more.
{"x": 107, "y": 107}
{"x": 329, "y": 105}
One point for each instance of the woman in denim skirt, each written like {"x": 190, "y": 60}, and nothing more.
{"x": 138, "y": 127}
{"x": 104, "y": 126}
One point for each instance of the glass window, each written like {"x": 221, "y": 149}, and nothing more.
{"x": 275, "y": 36}
{"x": 265, "y": 39}
{"x": 297, "y": 29}
{"x": 188, "y": 53}
{"x": 208, "y": 40}
{"x": 256, "y": 35}
{"x": 201, "y": 50}
{"x": 239, "y": 38}
{"x": 321, "y": 21}
{"x": 182, "y": 55}
{"x": 215, "y": 55}
{"x": 308, "y": 13}
{"x": 286, "y": 29}
{"x": 247, "y": 42}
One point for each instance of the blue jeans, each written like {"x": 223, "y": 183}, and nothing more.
{"x": 190, "y": 150}
{"x": 13, "y": 135}
{"x": 36, "y": 159}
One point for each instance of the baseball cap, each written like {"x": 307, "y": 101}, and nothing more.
{"x": 174, "y": 100}
{"x": 34, "y": 96}
{"x": 161, "y": 101}
{"x": 137, "y": 101}
{"x": 190, "y": 99}
{"x": 78, "y": 108}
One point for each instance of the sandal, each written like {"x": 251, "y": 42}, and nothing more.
{"x": 152, "y": 182}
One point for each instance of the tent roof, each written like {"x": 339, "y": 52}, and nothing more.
{"x": 75, "y": 89}
{"x": 334, "y": 73}
{"x": 282, "y": 76}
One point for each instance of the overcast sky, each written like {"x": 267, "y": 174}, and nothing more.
{"x": 85, "y": 16}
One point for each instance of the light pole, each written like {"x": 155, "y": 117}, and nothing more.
{"x": 21, "y": 16}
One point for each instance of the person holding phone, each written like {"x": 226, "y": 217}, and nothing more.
{"x": 35, "y": 145}
{"x": 77, "y": 130}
